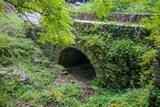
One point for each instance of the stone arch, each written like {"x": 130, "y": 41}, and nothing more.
{"x": 74, "y": 59}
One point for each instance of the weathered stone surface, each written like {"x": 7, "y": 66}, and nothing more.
{"x": 87, "y": 27}
{"x": 83, "y": 16}
{"x": 2, "y": 73}
{"x": 22, "y": 75}
{"x": 126, "y": 17}
{"x": 120, "y": 17}
{"x": 60, "y": 67}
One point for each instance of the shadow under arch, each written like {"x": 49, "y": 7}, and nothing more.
{"x": 77, "y": 63}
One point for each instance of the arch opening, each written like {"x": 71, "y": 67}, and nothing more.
{"x": 77, "y": 64}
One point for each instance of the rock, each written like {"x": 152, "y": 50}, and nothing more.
{"x": 95, "y": 88}
{"x": 60, "y": 68}
{"x": 22, "y": 75}
{"x": 64, "y": 73}
{"x": 2, "y": 73}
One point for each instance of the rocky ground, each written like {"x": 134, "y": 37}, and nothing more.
{"x": 81, "y": 73}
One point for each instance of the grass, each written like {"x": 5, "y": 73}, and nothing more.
{"x": 87, "y": 8}
{"x": 121, "y": 98}
{"x": 19, "y": 52}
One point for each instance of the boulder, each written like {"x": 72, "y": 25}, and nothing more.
{"x": 2, "y": 73}
{"x": 23, "y": 77}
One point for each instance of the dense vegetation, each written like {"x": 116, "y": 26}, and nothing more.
{"x": 123, "y": 48}
{"x": 18, "y": 52}
{"x": 28, "y": 72}
{"x": 122, "y": 53}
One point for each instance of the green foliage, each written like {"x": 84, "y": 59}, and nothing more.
{"x": 22, "y": 53}
{"x": 135, "y": 6}
{"x": 1, "y": 10}
{"x": 54, "y": 19}
{"x": 87, "y": 7}
{"x": 153, "y": 24}
{"x": 71, "y": 94}
{"x": 118, "y": 52}
{"x": 102, "y": 7}
{"x": 12, "y": 26}
{"x": 30, "y": 59}
{"x": 125, "y": 54}
{"x": 99, "y": 7}
{"x": 19, "y": 52}
{"x": 119, "y": 58}
{"x": 100, "y": 82}
{"x": 12, "y": 48}
{"x": 156, "y": 91}
{"x": 148, "y": 63}
{"x": 121, "y": 55}
{"x": 126, "y": 98}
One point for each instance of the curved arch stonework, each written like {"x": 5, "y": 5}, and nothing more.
{"x": 87, "y": 53}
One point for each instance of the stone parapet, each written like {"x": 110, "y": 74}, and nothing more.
{"x": 119, "y": 17}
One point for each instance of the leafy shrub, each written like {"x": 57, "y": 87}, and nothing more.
{"x": 153, "y": 24}
{"x": 119, "y": 58}
{"x": 123, "y": 98}
{"x": 147, "y": 64}
{"x": 13, "y": 26}
{"x": 19, "y": 52}
{"x": 12, "y": 49}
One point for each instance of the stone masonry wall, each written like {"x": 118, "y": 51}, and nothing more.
{"x": 121, "y": 17}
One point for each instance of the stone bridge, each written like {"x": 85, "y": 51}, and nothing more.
{"x": 119, "y": 25}
{"x": 89, "y": 59}
{"x": 78, "y": 53}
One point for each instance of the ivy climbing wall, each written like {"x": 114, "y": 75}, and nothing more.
{"x": 120, "y": 54}
{"x": 116, "y": 51}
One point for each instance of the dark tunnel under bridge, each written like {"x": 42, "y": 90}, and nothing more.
{"x": 77, "y": 63}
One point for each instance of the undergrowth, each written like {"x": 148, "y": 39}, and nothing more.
{"x": 20, "y": 52}
{"x": 119, "y": 98}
